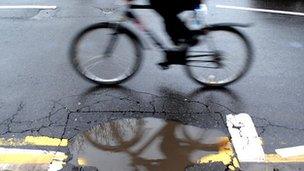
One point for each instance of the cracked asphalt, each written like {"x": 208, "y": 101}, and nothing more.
{"x": 40, "y": 93}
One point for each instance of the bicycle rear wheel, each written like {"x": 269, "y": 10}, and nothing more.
{"x": 106, "y": 53}
{"x": 223, "y": 56}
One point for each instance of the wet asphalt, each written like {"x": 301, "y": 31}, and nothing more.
{"x": 41, "y": 94}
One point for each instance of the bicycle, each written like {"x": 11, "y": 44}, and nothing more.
{"x": 205, "y": 62}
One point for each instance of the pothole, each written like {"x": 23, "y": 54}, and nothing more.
{"x": 143, "y": 144}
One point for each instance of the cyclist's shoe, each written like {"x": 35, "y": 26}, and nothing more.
{"x": 164, "y": 65}
{"x": 191, "y": 41}
{"x": 181, "y": 47}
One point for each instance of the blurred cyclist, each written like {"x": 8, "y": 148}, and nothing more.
{"x": 176, "y": 29}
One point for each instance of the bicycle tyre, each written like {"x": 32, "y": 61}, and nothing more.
{"x": 247, "y": 63}
{"x": 117, "y": 29}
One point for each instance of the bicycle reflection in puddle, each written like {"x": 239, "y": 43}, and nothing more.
{"x": 144, "y": 144}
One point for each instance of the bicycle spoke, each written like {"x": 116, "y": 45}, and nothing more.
{"x": 228, "y": 68}
{"x": 116, "y": 133}
{"x": 92, "y": 62}
{"x": 210, "y": 43}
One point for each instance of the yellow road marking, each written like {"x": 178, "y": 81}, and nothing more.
{"x": 275, "y": 158}
{"x": 225, "y": 155}
{"x": 34, "y": 140}
{"x": 26, "y": 156}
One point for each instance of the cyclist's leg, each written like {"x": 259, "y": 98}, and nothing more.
{"x": 175, "y": 27}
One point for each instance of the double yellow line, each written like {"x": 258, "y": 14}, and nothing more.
{"x": 12, "y": 157}
{"x": 227, "y": 156}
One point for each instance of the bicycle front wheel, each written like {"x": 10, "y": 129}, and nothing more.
{"x": 223, "y": 56}
{"x": 106, "y": 53}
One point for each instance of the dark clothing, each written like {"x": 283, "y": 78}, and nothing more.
{"x": 169, "y": 9}
{"x": 175, "y": 6}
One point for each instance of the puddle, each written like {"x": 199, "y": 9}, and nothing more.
{"x": 143, "y": 144}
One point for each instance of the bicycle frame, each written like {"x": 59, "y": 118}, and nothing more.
{"x": 129, "y": 15}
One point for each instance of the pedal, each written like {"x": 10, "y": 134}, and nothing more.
{"x": 164, "y": 65}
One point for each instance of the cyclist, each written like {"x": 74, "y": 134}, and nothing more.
{"x": 176, "y": 29}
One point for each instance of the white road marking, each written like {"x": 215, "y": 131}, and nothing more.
{"x": 45, "y": 7}
{"x": 291, "y": 151}
{"x": 246, "y": 142}
{"x": 260, "y": 10}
